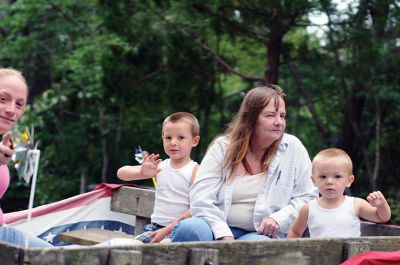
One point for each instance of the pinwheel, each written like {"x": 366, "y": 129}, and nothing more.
{"x": 139, "y": 155}
{"x": 26, "y": 158}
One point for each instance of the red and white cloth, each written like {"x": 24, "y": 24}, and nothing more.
{"x": 88, "y": 210}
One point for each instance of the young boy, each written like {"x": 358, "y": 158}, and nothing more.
{"x": 174, "y": 176}
{"x": 334, "y": 214}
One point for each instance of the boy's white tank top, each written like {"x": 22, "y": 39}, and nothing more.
{"x": 338, "y": 222}
{"x": 172, "y": 193}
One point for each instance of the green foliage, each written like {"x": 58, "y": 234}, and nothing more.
{"x": 395, "y": 207}
{"x": 104, "y": 74}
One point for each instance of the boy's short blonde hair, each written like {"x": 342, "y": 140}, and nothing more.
{"x": 12, "y": 72}
{"x": 185, "y": 116}
{"x": 333, "y": 154}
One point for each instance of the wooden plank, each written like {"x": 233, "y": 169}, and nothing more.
{"x": 204, "y": 256}
{"x": 135, "y": 201}
{"x": 303, "y": 251}
{"x": 67, "y": 256}
{"x": 130, "y": 200}
{"x": 91, "y": 236}
{"x": 10, "y": 254}
{"x": 373, "y": 229}
{"x": 352, "y": 248}
{"x": 125, "y": 257}
{"x": 278, "y": 251}
{"x": 270, "y": 252}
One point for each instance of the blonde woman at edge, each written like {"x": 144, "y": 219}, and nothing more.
{"x": 13, "y": 97}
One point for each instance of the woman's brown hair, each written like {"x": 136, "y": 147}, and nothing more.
{"x": 241, "y": 128}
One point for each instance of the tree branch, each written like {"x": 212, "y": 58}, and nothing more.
{"x": 203, "y": 46}
{"x": 320, "y": 126}
{"x": 149, "y": 76}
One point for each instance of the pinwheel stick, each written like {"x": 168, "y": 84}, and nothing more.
{"x": 34, "y": 155}
{"x": 139, "y": 155}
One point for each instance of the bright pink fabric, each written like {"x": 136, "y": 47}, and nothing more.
{"x": 375, "y": 258}
{"x": 4, "y": 182}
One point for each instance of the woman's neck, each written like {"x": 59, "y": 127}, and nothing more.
{"x": 254, "y": 157}
{"x": 257, "y": 149}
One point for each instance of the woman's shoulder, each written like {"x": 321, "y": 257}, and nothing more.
{"x": 291, "y": 141}
{"x": 218, "y": 146}
{"x": 287, "y": 137}
{"x": 221, "y": 141}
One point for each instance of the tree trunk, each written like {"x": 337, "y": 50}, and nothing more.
{"x": 104, "y": 143}
{"x": 271, "y": 70}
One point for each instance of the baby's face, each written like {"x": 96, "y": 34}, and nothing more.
{"x": 331, "y": 178}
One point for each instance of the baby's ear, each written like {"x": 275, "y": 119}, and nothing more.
{"x": 313, "y": 179}
{"x": 350, "y": 181}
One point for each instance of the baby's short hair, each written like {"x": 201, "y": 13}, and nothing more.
{"x": 333, "y": 154}
{"x": 186, "y": 116}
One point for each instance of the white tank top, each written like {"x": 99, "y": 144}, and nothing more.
{"x": 338, "y": 222}
{"x": 172, "y": 193}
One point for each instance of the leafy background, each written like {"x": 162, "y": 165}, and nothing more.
{"x": 103, "y": 75}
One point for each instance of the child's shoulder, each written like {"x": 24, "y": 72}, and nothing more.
{"x": 306, "y": 206}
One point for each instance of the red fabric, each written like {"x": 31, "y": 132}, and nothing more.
{"x": 115, "y": 186}
{"x": 374, "y": 258}
{"x": 101, "y": 191}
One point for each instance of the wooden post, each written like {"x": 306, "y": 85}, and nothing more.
{"x": 352, "y": 248}
{"x": 204, "y": 256}
{"x": 125, "y": 257}
{"x": 138, "y": 202}
{"x": 10, "y": 254}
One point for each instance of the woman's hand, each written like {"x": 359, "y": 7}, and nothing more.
{"x": 6, "y": 149}
{"x": 268, "y": 227}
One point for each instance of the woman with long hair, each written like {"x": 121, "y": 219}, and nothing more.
{"x": 253, "y": 180}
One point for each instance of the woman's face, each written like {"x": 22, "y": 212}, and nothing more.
{"x": 271, "y": 122}
{"x": 13, "y": 95}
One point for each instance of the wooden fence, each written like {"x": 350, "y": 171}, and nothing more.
{"x": 276, "y": 251}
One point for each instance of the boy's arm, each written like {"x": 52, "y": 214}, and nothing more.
{"x": 376, "y": 209}
{"x": 148, "y": 169}
{"x": 129, "y": 173}
{"x": 300, "y": 223}
{"x": 163, "y": 232}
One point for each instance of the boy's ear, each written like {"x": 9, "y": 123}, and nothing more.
{"x": 195, "y": 141}
{"x": 350, "y": 181}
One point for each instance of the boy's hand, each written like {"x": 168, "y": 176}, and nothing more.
{"x": 150, "y": 165}
{"x": 160, "y": 234}
{"x": 6, "y": 149}
{"x": 376, "y": 199}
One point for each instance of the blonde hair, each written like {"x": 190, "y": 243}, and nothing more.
{"x": 184, "y": 116}
{"x": 12, "y": 72}
{"x": 333, "y": 155}
{"x": 241, "y": 128}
